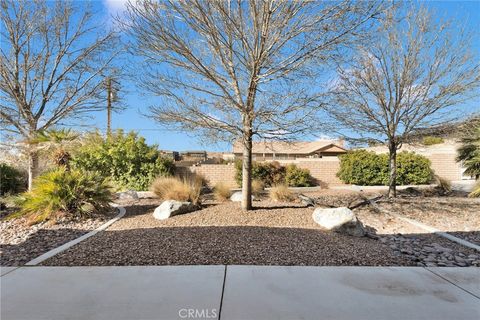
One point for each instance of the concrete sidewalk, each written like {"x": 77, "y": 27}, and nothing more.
{"x": 239, "y": 292}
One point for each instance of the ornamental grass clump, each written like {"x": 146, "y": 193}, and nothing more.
{"x": 180, "y": 188}
{"x": 221, "y": 192}
{"x": 281, "y": 193}
{"x": 257, "y": 187}
{"x": 62, "y": 192}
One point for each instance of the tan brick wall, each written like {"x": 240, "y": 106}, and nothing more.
{"x": 323, "y": 171}
{"x": 445, "y": 165}
{"x": 215, "y": 173}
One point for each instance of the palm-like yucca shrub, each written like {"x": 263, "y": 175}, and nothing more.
{"x": 469, "y": 153}
{"x": 61, "y": 191}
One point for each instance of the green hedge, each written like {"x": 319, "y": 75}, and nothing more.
{"x": 124, "y": 158}
{"x": 11, "y": 180}
{"x": 272, "y": 173}
{"x": 367, "y": 168}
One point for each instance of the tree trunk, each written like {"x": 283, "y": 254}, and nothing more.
{"x": 247, "y": 174}
{"x": 32, "y": 168}
{"x": 392, "y": 169}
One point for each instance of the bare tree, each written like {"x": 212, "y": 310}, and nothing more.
{"x": 238, "y": 69}
{"x": 414, "y": 73}
{"x": 53, "y": 58}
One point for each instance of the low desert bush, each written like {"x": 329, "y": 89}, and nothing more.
{"x": 221, "y": 192}
{"x": 429, "y": 140}
{"x": 273, "y": 173}
{"x": 257, "y": 187}
{"x": 65, "y": 192}
{"x": 186, "y": 188}
{"x": 413, "y": 168}
{"x": 11, "y": 180}
{"x": 368, "y": 168}
{"x": 126, "y": 159}
{"x": 281, "y": 193}
{"x": 297, "y": 177}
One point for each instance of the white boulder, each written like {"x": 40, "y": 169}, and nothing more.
{"x": 128, "y": 195}
{"x": 237, "y": 196}
{"x": 341, "y": 220}
{"x": 171, "y": 208}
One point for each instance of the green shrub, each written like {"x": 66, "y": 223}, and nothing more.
{"x": 413, "y": 168}
{"x": 297, "y": 177}
{"x": 273, "y": 173}
{"x": 60, "y": 191}
{"x": 124, "y": 158}
{"x": 364, "y": 168}
{"x": 11, "y": 180}
{"x": 429, "y": 141}
{"x": 367, "y": 168}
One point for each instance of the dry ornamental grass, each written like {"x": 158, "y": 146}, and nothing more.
{"x": 281, "y": 193}
{"x": 221, "y": 192}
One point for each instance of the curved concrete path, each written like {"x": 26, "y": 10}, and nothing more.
{"x": 240, "y": 292}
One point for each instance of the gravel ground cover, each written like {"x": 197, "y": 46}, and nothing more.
{"x": 415, "y": 244}
{"x": 21, "y": 242}
{"x": 455, "y": 215}
{"x": 274, "y": 234}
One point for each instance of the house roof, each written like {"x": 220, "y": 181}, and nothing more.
{"x": 296, "y": 147}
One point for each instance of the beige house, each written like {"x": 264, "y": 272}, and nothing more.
{"x": 443, "y": 158}
{"x": 280, "y": 150}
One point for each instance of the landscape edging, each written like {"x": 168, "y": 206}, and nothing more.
{"x": 428, "y": 228}
{"x": 65, "y": 246}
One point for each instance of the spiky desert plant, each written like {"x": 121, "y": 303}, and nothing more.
{"x": 57, "y": 143}
{"x": 61, "y": 191}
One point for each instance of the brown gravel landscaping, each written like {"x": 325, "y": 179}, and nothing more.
{"x": 21, "y": 242}
{"x": 274, "y": 234}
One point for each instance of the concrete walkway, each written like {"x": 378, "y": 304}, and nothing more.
{"x": 239, "y": 292}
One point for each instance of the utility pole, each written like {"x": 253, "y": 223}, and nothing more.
{"x": 109, "y": 106}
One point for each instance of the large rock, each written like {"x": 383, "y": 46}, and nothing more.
{"x": 237, "y": 196}
{"x": 341, "y": 220}
{"x": 128, "y": 195}
{"x": 171, "y": 208}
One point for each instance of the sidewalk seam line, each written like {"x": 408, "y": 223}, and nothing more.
{"x": 453, "y": 283}
{"x": 223, "y": 291}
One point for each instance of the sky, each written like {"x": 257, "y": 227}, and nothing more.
{"x": 133, "y": 117}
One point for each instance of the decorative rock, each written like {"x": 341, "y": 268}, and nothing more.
{"x": 171, "y": 208}
{"x": 341, "y": 220}
{"x": 237, "y": 197}
{"x": 128, "y": 195}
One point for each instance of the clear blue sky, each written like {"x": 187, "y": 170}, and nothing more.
{"x": 467, "y": 12}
